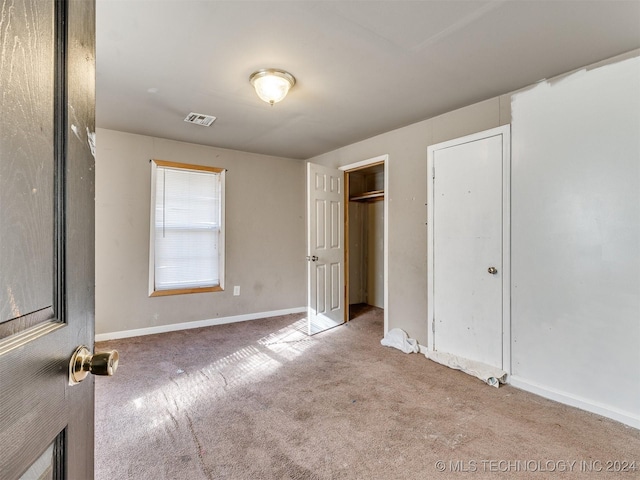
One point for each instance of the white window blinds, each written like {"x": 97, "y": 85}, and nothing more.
{"x": 187, "y": 228}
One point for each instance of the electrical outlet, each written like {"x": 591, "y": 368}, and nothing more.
{"x": 236, "y": 291}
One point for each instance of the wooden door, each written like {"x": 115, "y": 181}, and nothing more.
{"x": 466, "y": 249}
{"x": 47, "y": 71}
{"x": 325, "y": 248}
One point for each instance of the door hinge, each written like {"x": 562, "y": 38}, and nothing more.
{"x": 433, "y": 326}
{"x": 433, "y": 172}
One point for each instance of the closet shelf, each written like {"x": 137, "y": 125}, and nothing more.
{"x": 368, "y": 196}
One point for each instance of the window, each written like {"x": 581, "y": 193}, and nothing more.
{"x": 187, "y": 229}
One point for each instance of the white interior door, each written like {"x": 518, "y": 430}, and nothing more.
{"x": 325, "y": 252}
{"x": 467, "y": 263}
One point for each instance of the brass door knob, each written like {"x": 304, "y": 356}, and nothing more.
{"x": 83, "y": 362}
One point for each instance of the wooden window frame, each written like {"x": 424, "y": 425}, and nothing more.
{"x": 221, "y": 261}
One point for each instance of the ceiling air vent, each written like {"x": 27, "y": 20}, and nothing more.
{"x": 200, "y": 119}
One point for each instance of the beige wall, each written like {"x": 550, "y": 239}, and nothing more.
{"x": 407, "y": 193}
{"x": 265, "y": 238}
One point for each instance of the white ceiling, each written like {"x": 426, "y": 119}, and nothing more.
{"x": 362, "y": 67}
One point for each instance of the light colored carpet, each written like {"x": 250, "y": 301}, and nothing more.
{"x": 261, "y": 400}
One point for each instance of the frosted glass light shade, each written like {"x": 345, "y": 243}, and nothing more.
{"x": 272, "y": 85}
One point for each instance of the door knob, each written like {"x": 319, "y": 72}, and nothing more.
{"x": 312, "y": 258}
{"x": 83, "y": 362}
{"x": 492, "y": 270}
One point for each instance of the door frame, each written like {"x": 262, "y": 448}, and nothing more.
{"x": 505, "y": 132}
{"x": 353, "y": 167}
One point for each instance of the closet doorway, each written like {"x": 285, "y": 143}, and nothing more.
{"x": 366, "y": 235}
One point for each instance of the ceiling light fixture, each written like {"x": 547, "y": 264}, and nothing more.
{"x": 272, "y": 85}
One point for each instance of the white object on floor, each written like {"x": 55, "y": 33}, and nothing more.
{"x": 398, "y": 338}
{"x": 490, "y": 375}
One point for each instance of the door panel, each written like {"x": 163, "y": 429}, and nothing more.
{"x": 325, "y": 248}
{"x": 336, "y": 287}
{"x": 336, "y": 226}
{"x": 48, "y": 91}
{"x": 321, "y": 220}
{"x": 467, "y": 240}
{"x": 27, "y": 196}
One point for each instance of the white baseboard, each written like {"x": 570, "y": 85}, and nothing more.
{"x": 627, "y": 418}
{"x": 101, "y": 337}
